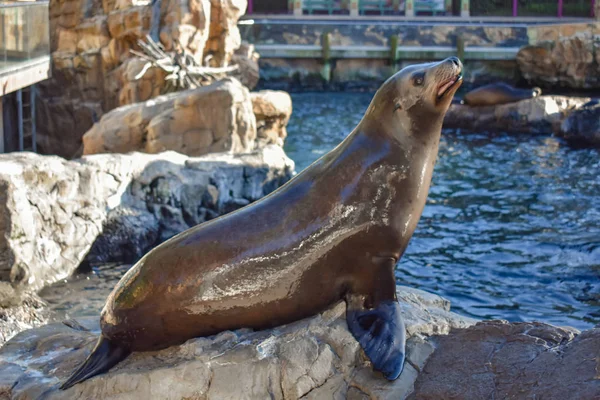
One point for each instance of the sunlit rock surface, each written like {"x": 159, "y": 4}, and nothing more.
{"x": 194, "y": 122}
{"x": 315, "y": 358}
{"x": 272, "y": 109}
{"x": 52, "y": 210}
{"x": 542, "y": 114}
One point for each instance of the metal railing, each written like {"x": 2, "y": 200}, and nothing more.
{"x": 529, "y": 8}
{"x": 24, "y": 33}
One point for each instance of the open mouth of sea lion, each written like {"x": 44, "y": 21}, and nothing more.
{"x": 447, "y": 85}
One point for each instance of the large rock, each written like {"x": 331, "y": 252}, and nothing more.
{"x": 500, "y": 360}
{"x": 315, "y": 358}
{"x": 272, "y": 110}
{"x": 565, "y": 57}
{"x": 93, "y": 68}
{"x": 195, "y": 122}
{"x": 582, "y": 125}
{"x": 541, "y": 114}
{"x": 52, "y": 210}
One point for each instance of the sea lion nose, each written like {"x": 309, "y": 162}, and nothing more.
{"x": 455, "y": 61}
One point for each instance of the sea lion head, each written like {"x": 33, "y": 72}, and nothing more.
{"x": 417, "y": 94}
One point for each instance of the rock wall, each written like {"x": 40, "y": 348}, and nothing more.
{"x": 562, "y": 56}
{"x": 52, "y": 211}
{"x": 315, "y": 358}
{"x": 93, "y": 69}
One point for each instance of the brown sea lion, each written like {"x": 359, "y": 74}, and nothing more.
{"x": 335, "y": 231}
{"x": 498, "y": 93}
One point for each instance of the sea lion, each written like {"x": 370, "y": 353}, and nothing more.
{"x": 335, "y": 231}
{"x": 498, "y": 93}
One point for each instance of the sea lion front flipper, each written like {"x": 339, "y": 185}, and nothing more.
{"x": 382, "y": 335}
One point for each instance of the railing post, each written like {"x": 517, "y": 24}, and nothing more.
{"x": 298, "y": 8}
{"x": 409, "y": 8}
{"x": 465, "y": 11}
{"x": 394, "y": 42}
{"x": 514, "y": 8}
{"x": 354, "y": 8}
{"x": 32, "y": 95}
{"x": 560, "y": 8}
{"x": 1, "y": 127}
{"x": 20, "y": 119}
{"x": 460, "y": 48}
{"x": 326, "y": 55}
{"x": 448, "y": 7}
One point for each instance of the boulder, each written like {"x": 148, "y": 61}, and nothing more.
{"x": 315, "y": 358}
{"x": 582, "y": 125}
{"x": 52, "y": 211}
{"x": 537, "y": 115}
{"x": 565, "y": 58}
{"x": 272, "y": 110}
{"x": 195, "y": 122}
{"x": 501, "y": 360}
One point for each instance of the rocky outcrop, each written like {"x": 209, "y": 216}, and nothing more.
{"x": 195, "y": 122}
{"x": 315, "y": 358}
{"x": 501, "y": 360}
{"x": 448, "y": 357}
{"x": 93, "y": 70}
{"x": 565, "y": 57}
{"x": 52, "y": 211}
{"x": 272, "y": 110}
{"x": 541, "y": 114}
{"x": 582, "y": 126}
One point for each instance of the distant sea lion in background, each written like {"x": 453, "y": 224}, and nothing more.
{"x": 498, "y": 93}
{"x": 335, "y": 231}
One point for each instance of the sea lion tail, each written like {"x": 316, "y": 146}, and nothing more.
{"x": 105, "y": 355}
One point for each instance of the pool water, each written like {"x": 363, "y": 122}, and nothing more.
{"x": 511, "y": 229}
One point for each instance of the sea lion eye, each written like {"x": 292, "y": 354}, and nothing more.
{"x": 418, "y": 79}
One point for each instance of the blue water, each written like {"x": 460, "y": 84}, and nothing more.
{"x": 511, "y": 229}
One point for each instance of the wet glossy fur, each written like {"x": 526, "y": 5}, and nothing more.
{"x": 334, "y": 231}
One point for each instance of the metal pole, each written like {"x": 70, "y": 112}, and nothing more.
{"x": 1, "y": 128}
{"x": 560, "y": 8}
{"x": 250, "y": 7}
{"x": 514, "y": 8}
{"x": 20, "y": 118}
{"x": 32, "y": 107}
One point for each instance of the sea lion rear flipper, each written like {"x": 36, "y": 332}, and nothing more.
{"x": 105, "y": 355}
{"x": 382, "y": 335}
